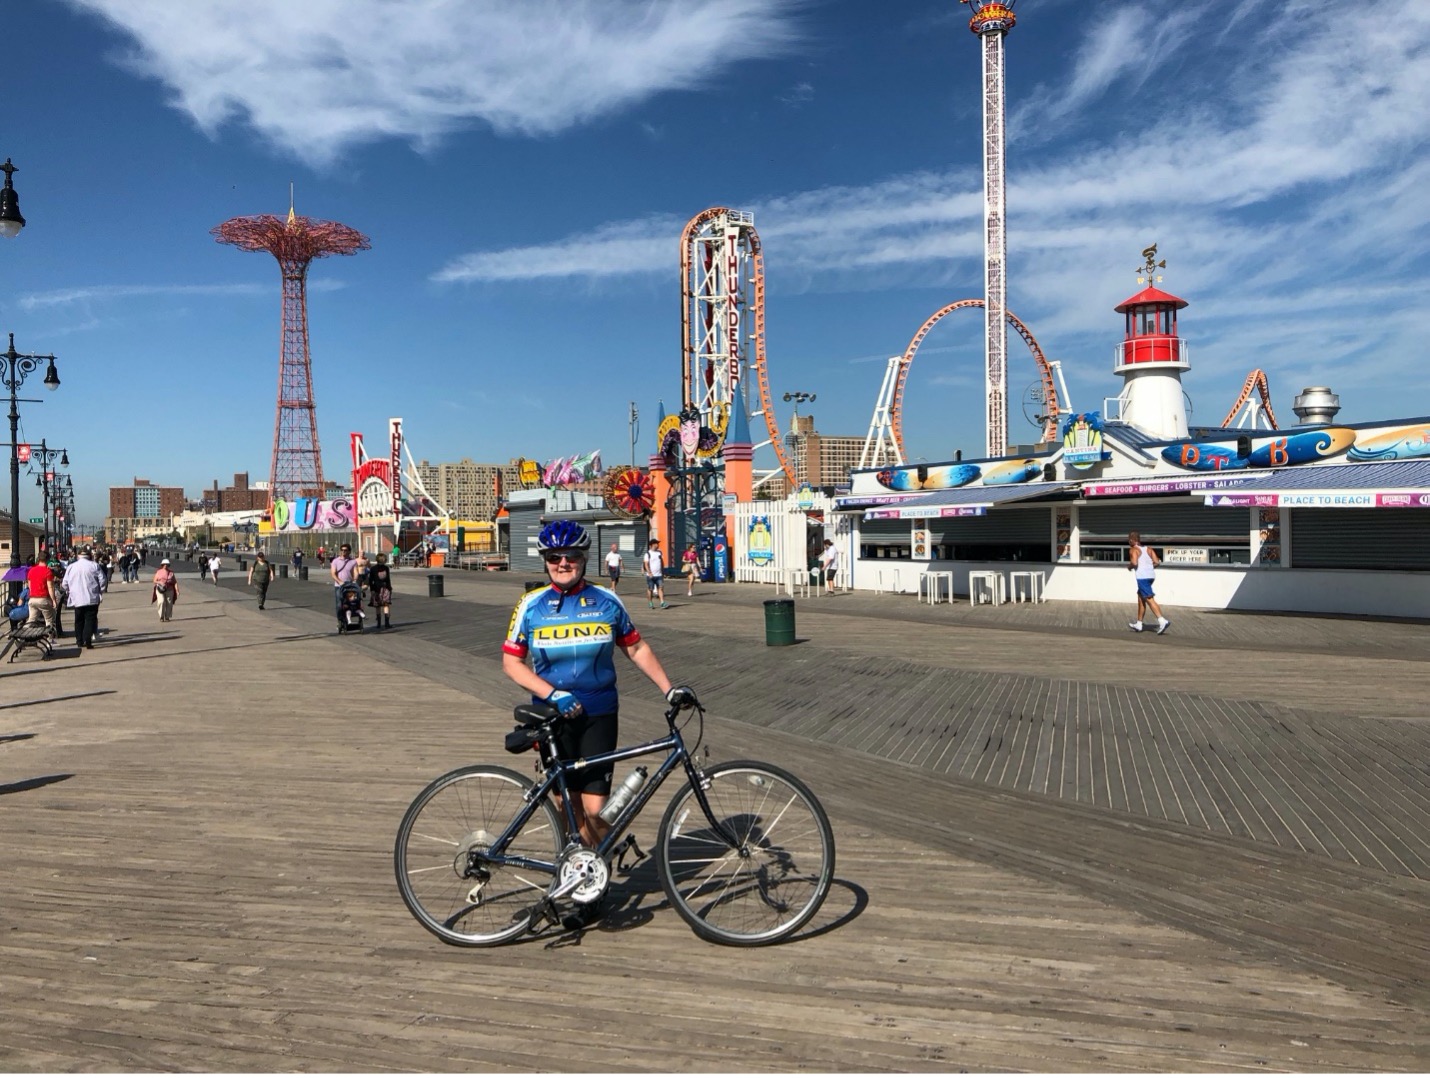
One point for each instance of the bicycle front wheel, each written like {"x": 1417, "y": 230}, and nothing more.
{"x": 773, "y": 881}
{"x": 452, "y": 890}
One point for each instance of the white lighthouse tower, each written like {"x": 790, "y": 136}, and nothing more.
{"x": 1151, "y": 358}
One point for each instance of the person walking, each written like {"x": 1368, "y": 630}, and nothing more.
{"x": 653, "y": 563}
{"x": 379, "y": 590}
{"x": 297, "y": 561}
{"x": 260, "y": 576}
{"x": 215, "y": 563}
{"x": 203, "y": 566}
{"x": 166, "y": 590}
{"x": 1143, "y": 561}
{"x": 57, "y": 569}
{"x": 690, "y": 567}
{"x": 829, "y": 565}
{"x": 44, "y": 595}
{"x": 614, "y": 565}
{"x": 341, "y": 570}
{"x": 84, "y": 581}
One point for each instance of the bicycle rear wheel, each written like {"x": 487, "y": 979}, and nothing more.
{"x": 774, "y": 882}
{"x": 464, "y": 899}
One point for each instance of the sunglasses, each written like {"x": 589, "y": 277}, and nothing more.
{"x": 563, "y": 555}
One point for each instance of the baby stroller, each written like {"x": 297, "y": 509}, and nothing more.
{"x": 350, "y": 612}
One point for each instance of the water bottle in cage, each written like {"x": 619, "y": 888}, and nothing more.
{"x": 622, "y": 797}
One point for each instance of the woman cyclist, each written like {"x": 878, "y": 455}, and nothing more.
{"x": 570, "y": 631}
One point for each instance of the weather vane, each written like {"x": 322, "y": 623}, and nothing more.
{"x": 1147, "y": 274}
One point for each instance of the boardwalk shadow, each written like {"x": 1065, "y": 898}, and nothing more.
{"x": 14, "y": 737}
{"x": 32, "y": 784}
{"x": 51, "y": 700}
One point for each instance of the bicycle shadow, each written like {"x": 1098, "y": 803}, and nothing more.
{"x": 636, "y": 895}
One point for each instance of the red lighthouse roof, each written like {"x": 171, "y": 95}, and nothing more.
{"x": 1150, "y": 295}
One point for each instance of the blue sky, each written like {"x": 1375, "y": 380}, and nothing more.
{"x": 524, "y": 172}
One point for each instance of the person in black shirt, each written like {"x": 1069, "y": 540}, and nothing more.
{"x": 378, "y": 580}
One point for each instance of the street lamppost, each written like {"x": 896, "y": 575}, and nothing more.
{"x": 45, "y": 457}
{"x": 14, "y": 367}
{"x": 635, "y": 426}
{"x": 10, "y": 220}
{"x": 801, "y": 469}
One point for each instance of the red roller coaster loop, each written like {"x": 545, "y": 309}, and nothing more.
{"x": 1050, "y": 392}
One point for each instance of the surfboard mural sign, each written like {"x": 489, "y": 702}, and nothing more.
{"x": 928, "y": 476}
{"x": 1401, "y": 443}
{"x": 1301, "y": 448}
{"x": 1284, "y": 450}
{"x": 1016, "y": 471}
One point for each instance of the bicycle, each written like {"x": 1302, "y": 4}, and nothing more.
{"x": 744, "y": 851}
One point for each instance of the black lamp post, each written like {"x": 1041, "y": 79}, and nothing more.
{"x": 45, "y": 457}
{"x": 10, "y": 220}
{"x": 14, "y": 367}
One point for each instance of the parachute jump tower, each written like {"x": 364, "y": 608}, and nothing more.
{"x": 297, "y": 468}
{"x": 991, "y": 22}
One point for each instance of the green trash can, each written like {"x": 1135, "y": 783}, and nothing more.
{"x": 779, "y": 622}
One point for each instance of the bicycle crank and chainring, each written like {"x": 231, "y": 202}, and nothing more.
{"x": 581, "y": 875}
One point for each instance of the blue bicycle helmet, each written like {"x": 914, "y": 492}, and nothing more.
{"x": 563, "y": 535}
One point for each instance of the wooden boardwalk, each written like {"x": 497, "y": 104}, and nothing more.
{"x": 1061, "y": 847}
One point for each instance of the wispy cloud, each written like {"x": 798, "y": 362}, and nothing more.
{"x": 318, "y": 77}
{"x": 66, "y": 297}
{"x": 1305, "y": 166}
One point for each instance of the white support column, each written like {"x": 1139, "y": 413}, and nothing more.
{"x": 995, "y": 286}
{"x": 879, "y": 445}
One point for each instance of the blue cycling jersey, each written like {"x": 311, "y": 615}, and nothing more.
{"x": 572, "y": 639}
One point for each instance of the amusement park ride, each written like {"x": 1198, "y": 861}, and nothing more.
{"x": 705, "y": 454}
{"x": 297, "y": 466}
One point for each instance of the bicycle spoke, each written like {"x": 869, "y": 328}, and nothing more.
{"x": 773, "y": 881}
{"x": 445, "y": 877}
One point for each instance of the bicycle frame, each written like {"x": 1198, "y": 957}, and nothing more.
{"x": 555, "y": 782}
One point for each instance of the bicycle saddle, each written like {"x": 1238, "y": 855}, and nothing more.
{"x": 533, "y": 715}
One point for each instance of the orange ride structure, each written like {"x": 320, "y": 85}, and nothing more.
{"x": 722, "y": 342}
{"x": 297, "y": 467}
{"x": 1255, "y": 382}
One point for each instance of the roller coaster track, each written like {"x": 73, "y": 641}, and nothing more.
{"x": 1050, "y": 392}
{"x": 1256, "y": 380}
{"x": 758, "y": 363}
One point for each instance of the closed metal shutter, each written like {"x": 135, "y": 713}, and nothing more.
{"x": 525, "y": 527}
{"x": 884, "y": 531}
{"x": 1156, "y": 522}
{"x": 999, "y": 526}
{"x": 620, "y": 534}
{"x": 1360, "y": 539}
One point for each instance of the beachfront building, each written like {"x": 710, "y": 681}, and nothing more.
{"x": 1325, "y": 516}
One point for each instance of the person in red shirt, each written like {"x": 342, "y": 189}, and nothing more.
{"x": 44, "y": 595}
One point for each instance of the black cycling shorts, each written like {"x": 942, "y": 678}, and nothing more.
{"x": 588, "y": 735}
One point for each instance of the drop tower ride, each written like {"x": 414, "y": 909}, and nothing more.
{"x": 991, "y": 22}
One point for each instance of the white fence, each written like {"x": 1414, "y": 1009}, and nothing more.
{"x": 790, "y": 526}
